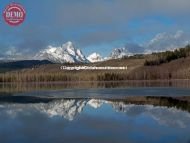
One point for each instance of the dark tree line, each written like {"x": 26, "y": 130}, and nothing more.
{"x": 168, "y": 56}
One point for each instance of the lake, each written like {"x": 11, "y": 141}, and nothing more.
{"x": 117, "y": 113}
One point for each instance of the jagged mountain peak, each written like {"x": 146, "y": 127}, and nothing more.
{"x": 67, "y": 53}
{"x": 127, "y": 50}
{"x": 119, "y": 53}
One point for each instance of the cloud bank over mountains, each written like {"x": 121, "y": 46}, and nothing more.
{"x": 165, "y": 41}
{"x": 161, "y": 42}
{"x": 69, "y": 53}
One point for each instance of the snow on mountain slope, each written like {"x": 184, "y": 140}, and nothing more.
{"x": 129, "y": 49}
{"x": 67, "y": 53}
{"x": 95, "y": 57}
{"x": 119, "y": 53}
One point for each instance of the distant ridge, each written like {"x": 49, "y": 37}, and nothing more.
{"x": 16, "y": 65}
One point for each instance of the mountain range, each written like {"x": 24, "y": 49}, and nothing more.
{"x": 68, "y": 53}
{"x": 161, "y": 42}
{"x": 17, "y": 65}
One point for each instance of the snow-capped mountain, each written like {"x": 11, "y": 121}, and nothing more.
{"x": 119, "y": 53}
{"x": 95, "y": 57}
{"x": 128, "y": 50}
{"x": 67, "y": 53}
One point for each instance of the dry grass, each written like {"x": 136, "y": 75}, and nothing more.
{"x": 177, "y": 69}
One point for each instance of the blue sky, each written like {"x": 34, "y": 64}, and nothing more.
{"x": 93, "y": 25}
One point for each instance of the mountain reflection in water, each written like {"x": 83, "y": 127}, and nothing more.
{"x": 83, "y": 120}
{"x": 70, "y": 108}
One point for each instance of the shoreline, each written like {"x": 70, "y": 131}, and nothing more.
{"x": 95, "y": 81}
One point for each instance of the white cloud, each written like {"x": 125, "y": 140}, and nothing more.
{"x": 12, "y": 51}
{"x": 167, "y": 41}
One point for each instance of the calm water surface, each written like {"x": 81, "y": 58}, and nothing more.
{"x": 94, "y": 116}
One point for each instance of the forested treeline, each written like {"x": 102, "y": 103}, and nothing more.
{"x": 165, "y": 57}
{"x": 141, "y": 73}
{"x": 63, "y": 76}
